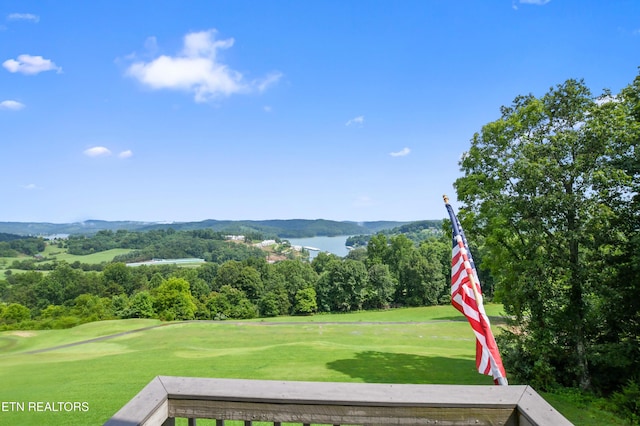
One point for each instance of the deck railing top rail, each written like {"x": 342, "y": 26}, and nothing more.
{"x": 334, "y": 403}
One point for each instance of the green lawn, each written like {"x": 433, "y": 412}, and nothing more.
{"x": 103, "y": 256}
{"x": 397, "y": 346}
{"x": 54, "y": 252}
{"x": 433, "y": 313}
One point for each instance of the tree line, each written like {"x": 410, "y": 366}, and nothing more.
{"x": 13, "y": 245}
{"x": 391, "y": 271}
{"x": 417, "y": 232}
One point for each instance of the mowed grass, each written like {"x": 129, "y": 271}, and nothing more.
{"x": 60, "y": 254}
{"x": 397, "y": 346}
{"x": 103, "y": 256}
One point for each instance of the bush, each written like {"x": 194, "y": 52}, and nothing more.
{"x": 627, "y": 402}
{"x": 65, "y": 322}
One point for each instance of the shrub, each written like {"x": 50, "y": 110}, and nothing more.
{"x": 627, "y": 402}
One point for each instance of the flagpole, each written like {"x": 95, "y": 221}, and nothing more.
{"x": 470, "y": 273}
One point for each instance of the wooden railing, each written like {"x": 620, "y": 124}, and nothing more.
{"x": 166, "y": 398}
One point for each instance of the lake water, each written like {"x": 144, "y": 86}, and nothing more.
{"x": 333, "y": 245}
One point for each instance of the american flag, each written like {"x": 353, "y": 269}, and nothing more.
{"x": 466, "y": 296}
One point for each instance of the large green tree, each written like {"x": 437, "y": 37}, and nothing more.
{"x": 342, "y": 287}
{"x": 538, "y": 188}
{"x": 173, "y": 300}
{"x": 381, "y": 287}
{"x": 616, "y": 355}
{"x": 297, "y": 275}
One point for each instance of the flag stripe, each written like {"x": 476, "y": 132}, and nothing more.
{"x": 466, "y": 297}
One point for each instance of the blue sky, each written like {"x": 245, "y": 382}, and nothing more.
{"x": 341, "y": 110}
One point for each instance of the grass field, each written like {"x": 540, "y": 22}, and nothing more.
{"x": 54, "y": 252}
{"x": 103, "y": 256}
{"x": 420, "y": 345}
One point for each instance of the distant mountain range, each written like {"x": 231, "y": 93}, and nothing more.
{"x": 282, "y": 228}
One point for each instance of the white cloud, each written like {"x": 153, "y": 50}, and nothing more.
{"x": 356, "y": 120}
{"x": 23, "y": 17}
{"x": 27, "y": 64}
{"x": 401, "y": 153}
{"x": 196, "y": 69}
{"x": 97, "y": 151}
{"x": 267, "y": 108}
{"x": 12, "y": 105}
{"x": 126, "y": 154}
{"x": 264, "y": 83}
{"x": 30, "y": 187}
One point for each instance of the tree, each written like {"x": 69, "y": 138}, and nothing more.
{"x": 118, "y": 275}
{"x": 275, "y": 300}
{"x": 439, "y": 253}
{"x": 92, "y": 308}
{"x": 120, "y": 305}
{"x": 23, "y": 288}
{"x": 230, "y": 302}
{"x": 241, "y": 277}
{"x": 420, "y": 280}
{"x": 359, "y": 254}
{"x": 269, "y": 305}
{"x": 228, "y": 274}
{"x": 342, "y": 286}
{"x": 15, "y": 313}
{"x": 377, "y": 250}
{"x": 297, "y": 275}
{"x": 305, "y": 302}
{"x": 208, "y": 272}
{"x": 141, "y": 306}
{"x": 250, "y": 283}
{"x": 381, "y": 287}
{"x": 173, "y": 300}
{"x": 538, "y": 185}
{"x": 54, "y": 312}
{"x": 58, "y": 286}
{"x": 399, "y": 249}
{"x": 198, "y": 286}
{"x": 322, "y": 260}
{"x": 616, "y": 354}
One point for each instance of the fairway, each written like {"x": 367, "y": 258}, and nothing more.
{"x": 73, "y": 369}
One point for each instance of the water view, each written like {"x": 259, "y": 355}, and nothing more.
{"x": 333, "y": 245}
